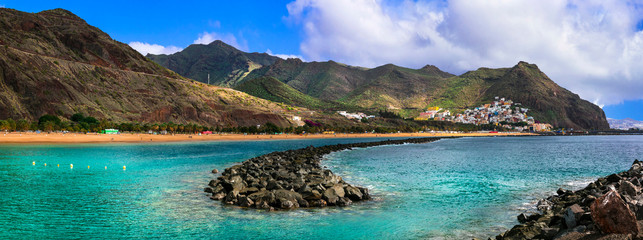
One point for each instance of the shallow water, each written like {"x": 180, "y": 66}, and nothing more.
{"x": 453, "y": 188}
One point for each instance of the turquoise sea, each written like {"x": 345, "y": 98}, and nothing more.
{"x": 449, "y": 189}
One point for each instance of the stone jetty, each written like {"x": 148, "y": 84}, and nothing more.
{"x": 609, "y": 208}
{"x": 291, "y": 179}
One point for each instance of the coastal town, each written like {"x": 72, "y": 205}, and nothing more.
{"x": 501, "y": 112}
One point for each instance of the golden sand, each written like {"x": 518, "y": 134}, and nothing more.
{"x": 17, "y": 137}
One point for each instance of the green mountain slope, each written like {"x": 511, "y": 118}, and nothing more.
{"x": 405, "y": 90}
{"x": 548, "y": 102}
{"x": 53, "y": 62}
{"x": 226, "y": 65}
{"x": 272, "y": 89}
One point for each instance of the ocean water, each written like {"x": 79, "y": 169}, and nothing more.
{"x": 449, "y": 189}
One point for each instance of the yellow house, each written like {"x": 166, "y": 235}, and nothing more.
{"x": 433, "y": 109}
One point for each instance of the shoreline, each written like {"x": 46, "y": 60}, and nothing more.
{"x": 40, "y": 138}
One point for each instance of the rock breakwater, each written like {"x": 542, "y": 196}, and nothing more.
{"x": 609, "y": 208}
{"x": 291, "y": 179}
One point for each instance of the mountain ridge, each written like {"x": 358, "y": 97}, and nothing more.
{"x": 390, "y": 87}
{"x": 195, "y": 62}
{"x": 53, "y": 62}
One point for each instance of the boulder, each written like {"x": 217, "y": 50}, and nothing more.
{"x": 248, "y": 191}
{"x": 612, "y": 215}
{"x": 353, "y": 193}
{"x": 522, "y": 231}
{"x": 303, "y": 203}
{"x": 614, "y": 178}
{"x": 294, "y": 197}
{"x": 213, "y": 183}
{"x": 572, "y": 215}
{"x": 262, "y": 198}
{"x": 215, "y": 171}
{"x": 524, "y": 217}
{"x": 543, "y": 205}
{"x": 231, "y": 197}
{"x": 218, "y": 196}
{"x": 318, "y": 203}
{"x": 332, "y": 194}
{"x": 343, "y": 202}
{"x": 273, "y": 184}
{"x": 365, "y": 194}
{"x": 246, "y": 202}
{"x": 628, "y": 188}
{"x": 638, "y": 210}
{"x": 312, "y": 195}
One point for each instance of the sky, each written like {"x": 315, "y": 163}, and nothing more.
{"x": 591, "y": 47}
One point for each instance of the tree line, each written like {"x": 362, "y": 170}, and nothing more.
{"x": 80, "y": 123}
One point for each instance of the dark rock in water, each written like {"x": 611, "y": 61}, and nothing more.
{"x": 543, "y": 205}
{"x": 628, "y": 188}
{"x": 291, "y": 179}
{"x": 524, "y": 217}
{"x": 333, "y": 194}
{"x": 365, "y": 194}
{"x": 353, "y": 193}
{"x": 215, "y": 171}
{"x": 343, "y": 202}
{"x": 595, "y": 212}
{"x": 612, "y": 215}
{"x": 572, "y": 215}
{"x": 246, "y": 202}
{"x": 548, "y": 232}
{"x": 613, "y": 178}
{"x": 217, "y": 196}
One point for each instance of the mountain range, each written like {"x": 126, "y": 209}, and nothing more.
{"x": 53, "y": 62}
{"x": 625, "y": 124}
{"x": 335, "y": 86}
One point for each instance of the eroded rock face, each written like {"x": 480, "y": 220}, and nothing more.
{"x": 291, "y": 179}
{"x": 612, "y": 215}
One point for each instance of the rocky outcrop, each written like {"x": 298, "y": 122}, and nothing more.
{"x": 291, "y": 179}
{"x": 609, "y": 208}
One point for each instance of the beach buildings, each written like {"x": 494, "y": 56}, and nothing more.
{"x": 501, "y": 112}
{"x": 109, "y": 131}
{"x": 357, "y": 116}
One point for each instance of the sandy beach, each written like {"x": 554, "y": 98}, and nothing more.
{"x": 17, "y": 137}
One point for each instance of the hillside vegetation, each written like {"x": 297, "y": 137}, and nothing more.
{"x": 393, "y": 88}
{"x": 53, "y": 62}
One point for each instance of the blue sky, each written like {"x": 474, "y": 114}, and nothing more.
{"x": 179, "y": 23}
{"x": 593, "y": 48}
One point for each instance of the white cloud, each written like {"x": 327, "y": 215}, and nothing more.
{"x": 145, "y": 48}
{"x": 1, "y": 6}
{"x": 204, "y": 38}
{"x": 590, "y": 47}
{"x": 208, "y": 37}
{"x": 284, "y": 56}
{"x": 214, "y": 24}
